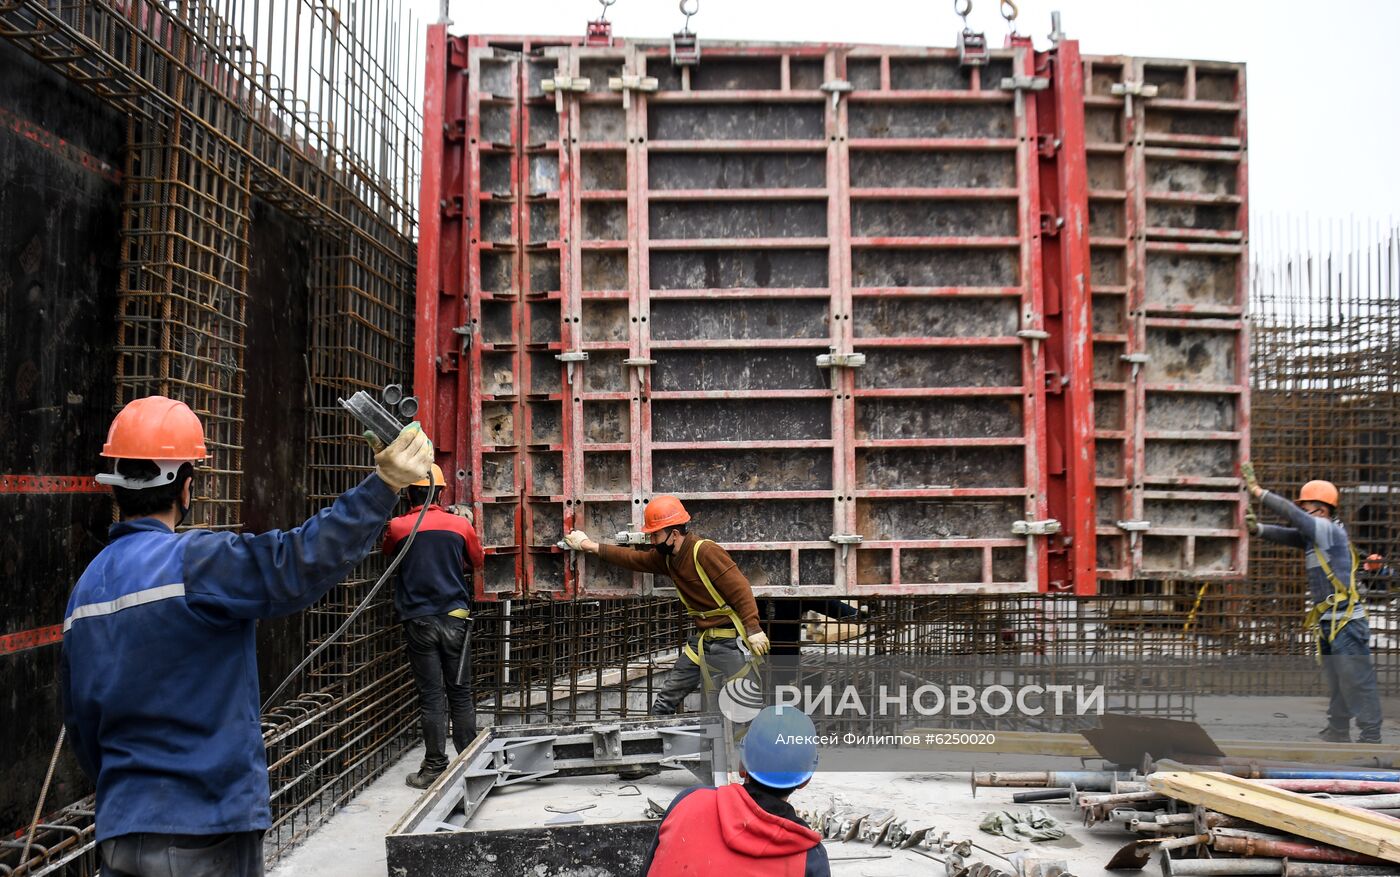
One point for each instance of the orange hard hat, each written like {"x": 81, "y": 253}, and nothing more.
{"x": 154, "y": 428}
{"x": 1319, "y": 491}
{"x": 663, "y": 511}
{"x": 438, "y": 480}
{"x": 1373, "y": 562}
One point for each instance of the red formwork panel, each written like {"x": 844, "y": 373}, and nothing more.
{"x": 837, "y": 298}
{"x": 1168, "y": 202}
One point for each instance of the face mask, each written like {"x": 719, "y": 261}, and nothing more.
{"x": 664, "y": 548}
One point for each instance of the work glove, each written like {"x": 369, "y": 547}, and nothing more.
{"x": 463, "y": 511}
{"x": 1251, "y": 522}
{"x": 759, "y": 644}
{"x": 575, "y": 539}
{"x": 406, "y": 459}
{"x": 1247, "y": 471}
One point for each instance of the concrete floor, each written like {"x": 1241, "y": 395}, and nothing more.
{"x": 352, "y": 843}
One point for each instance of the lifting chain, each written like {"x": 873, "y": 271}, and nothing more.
{"x": 603, "y": 16}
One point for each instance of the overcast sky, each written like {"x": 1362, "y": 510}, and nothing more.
{"x": 1323, "y": 76}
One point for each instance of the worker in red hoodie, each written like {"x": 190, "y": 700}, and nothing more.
{"x": 433, "y": 599}
{"x": 748, "y": 830}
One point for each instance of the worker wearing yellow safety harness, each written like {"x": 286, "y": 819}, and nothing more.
{"x": 1337, "y": 619}
{"x": 728, "y": 639}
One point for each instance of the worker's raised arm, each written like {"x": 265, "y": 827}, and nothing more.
{"x": 1304, "y": 524}
{"x": 233, "y": 575}
{"x": 732, "y": 584}
{"x": 633, "y": 559}
{"x": 267, "y": 575}
{"x": 1282, "y": 535}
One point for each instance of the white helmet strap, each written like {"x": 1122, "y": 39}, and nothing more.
{"x": 168, "y": 470}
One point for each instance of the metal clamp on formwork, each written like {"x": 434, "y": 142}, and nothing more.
{"x": 1034, "y": 336}
{"x": 1133, "y": 528}
{"x": 834, "y": 360}
{"x": 836, "y": 88}
{"x": 1137, "y": 360}
{"x": 561, "y": 84}
{"x": 1128, "y": 89}
{"x": 570, "y": 358}
{"x": 1047, "y": 527}
{"x": 607, "y": 742}
{"x": 1022, "y": 84}
{"x": 631, "y": 537}
{"x": 845, "y": 540}
{"x": 685, "y": 45}
{"x": 630, "y": 82}
{"x": 640, "y": 363}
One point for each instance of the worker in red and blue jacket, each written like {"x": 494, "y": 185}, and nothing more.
{"x": 433, "y": 600}
{"x": 159, "y": 670}
{"x": 1337, "y": 618}
{"x": 748, "y": 830}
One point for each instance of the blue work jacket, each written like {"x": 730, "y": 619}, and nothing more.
{"x": 160, "y": 674}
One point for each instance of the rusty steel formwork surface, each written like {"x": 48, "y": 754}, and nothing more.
{"x": 1167, "y": 174}
{"x": 866, "y": 310}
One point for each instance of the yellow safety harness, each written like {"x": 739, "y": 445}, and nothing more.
{"x": 1313, "y": 620}
{"x": 722, "y": 608}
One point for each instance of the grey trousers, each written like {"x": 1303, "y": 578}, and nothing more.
{"x": 1351, "y": 681}
{"x": 723, "y": 658}
{"x": 183, "y": 855}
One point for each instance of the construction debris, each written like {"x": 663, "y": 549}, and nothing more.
{"x": 1035, "y": 825}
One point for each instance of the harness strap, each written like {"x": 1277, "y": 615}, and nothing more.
{"x": 722, "y": 608}
{"x": 1313, "y": 620}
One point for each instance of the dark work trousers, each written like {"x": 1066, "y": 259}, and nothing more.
{"x": 183, "y": 855}
{"x": 1351, "y": 680}
{"x": 435, "y": 644}
{"x": 723, "y": 658}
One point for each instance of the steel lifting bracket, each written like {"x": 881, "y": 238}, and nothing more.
{"x": 836, "y": 88}
{"x": 561, "y": 84}
{"x": 631, "y": 537}
{"x": 972, "y": 48}
{"x": 630, "y": 82}
{"x": 1138, "y": 360}
{"x": 1047, "y": 527}
{"x": 685, "y": 45}
{"x": 1127, "y": 89}
{"x": 570, "y": 358}
{"x": 845, "y": 540}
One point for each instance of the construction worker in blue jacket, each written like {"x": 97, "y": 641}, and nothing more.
{"x": 159, "y": 670}
{"x": 1337, "y": 617}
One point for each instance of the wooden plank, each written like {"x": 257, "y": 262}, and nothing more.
{"x": 1320, "y": 819}
{"x": 1075, "y": 746}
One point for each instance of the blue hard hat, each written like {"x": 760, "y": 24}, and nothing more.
{"x": 772, "y": 756}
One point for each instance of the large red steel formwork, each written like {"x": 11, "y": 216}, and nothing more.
{"x": 834, "y": 297}
{"x": 1167, "y": 166}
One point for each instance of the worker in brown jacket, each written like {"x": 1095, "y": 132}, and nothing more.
{"x": 713, "y": 591}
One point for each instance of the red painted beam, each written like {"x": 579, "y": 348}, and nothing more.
{"x": 57, "y": 145}
{"x": 50, "y": 484}
{"x": 25, "y": 640}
